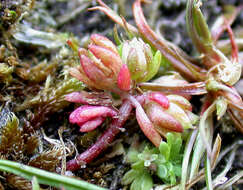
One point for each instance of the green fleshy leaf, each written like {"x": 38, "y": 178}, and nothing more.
{"x": 161, "y": 159}
{"x": 172, "y": 179}
{"x": 146, "y": 181}
{"x": 153, "y": 67}
{"x": 142, "y": 182}
{"x": 130, "y": 176}
{"x": 139, "y": 165}
{"x": 136, "y": 184}
{"x": 132, "y": 155}
{"x": 148, "y": 156}
{"x": 162, "y": 171}
{"x": 170, "y": 166}
{"x": 177, "y": 170}
{"x": 175, "y": 148}
{"x": 170, "y": 140}
{"x": 171, "y": 171}
{"x": 164, "y": 150}
{"x": 167, "y": 159}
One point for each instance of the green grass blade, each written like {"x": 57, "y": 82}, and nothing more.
{"x": 186, "y": 158}
{"x": 45, "y": 177}
{"x": 208, "y": 173}
{"x": 35, "y": 184}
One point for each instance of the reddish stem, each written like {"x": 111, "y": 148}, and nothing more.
{"x": 233, "y": 44}
{"x": 206, "y": 104}
{"x": 228, "y": 20}
{"x": 104, "y": 141}
{"x": 185, "y": 67}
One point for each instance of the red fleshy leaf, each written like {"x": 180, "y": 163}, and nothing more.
{"x": 104, "y": 140}
{"x": 91, "y": 124}
{"x": 124, "y": 78}
{"x": 75, "y": 97}
{"x": 159, "y": 98}
{"x": 86, "y": 113}
{"x": 147, "y": 127}
{"x": 92, "y": 98}
{"x": 107, "y": 57}
{"x": 91, "y": 70}
{"x": 163, "y": 119}
{"x": 102, "y": 41}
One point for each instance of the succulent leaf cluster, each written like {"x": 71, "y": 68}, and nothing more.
{"x": 164, "y": 162}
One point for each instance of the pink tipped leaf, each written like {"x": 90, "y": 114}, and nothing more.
{"x": 73, "y": 44}
{"x": 163, "y": 119}
{"x": 124, "y": 78}
{"x": 159, "y": 98}
{"x": 102, "y": 41}
{"x": 90, "y": 69}
{"x": 91, "y": 124}
{"x": 75, "y": 97}
{"x": 107, "y": 57}
{"x": 86, "y": 113}
{"x": 92, "y": 98}
{"x": 145, "y": 124}
{"x": 147, "y": 127}
{"x": 180, "y": 101}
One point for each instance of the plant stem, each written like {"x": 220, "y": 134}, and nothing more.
{"x": 104, "y": 141}
{"x": 185, "y": 67}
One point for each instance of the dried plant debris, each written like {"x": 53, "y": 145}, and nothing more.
{"x": 15, "y": 143}
{"x": 49, "y": 40}
{"x": 10, "y": 11}
{"x": 47, "y": 160}
{"x": 18, "y": 183}
{"x": 5, "y": 73}
{"x": 19, "y": 145}
{"x": 50, "y": 100}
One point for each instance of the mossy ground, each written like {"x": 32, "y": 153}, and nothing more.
{"x": 34, "y": 80}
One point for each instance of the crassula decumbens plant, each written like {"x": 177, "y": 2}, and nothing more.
{"x": 160, "y": 106}
{"x": 107, "y": 71}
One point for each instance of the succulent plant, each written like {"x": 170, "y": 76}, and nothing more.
{"x": 164, "y": 161}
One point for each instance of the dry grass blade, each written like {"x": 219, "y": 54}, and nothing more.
{"x": 186, "y": 89}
